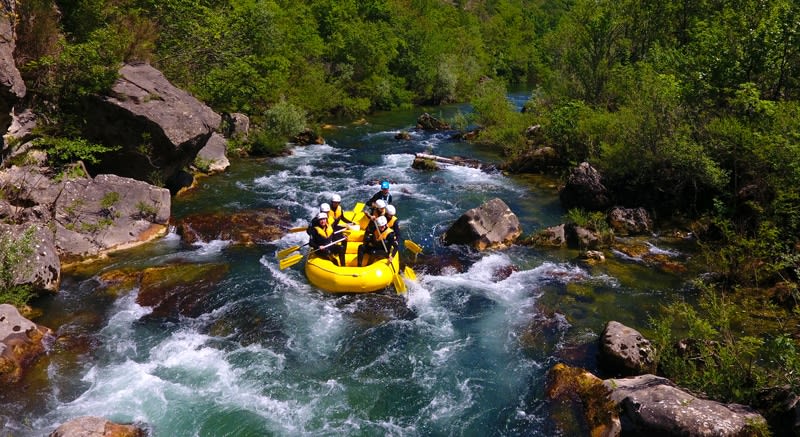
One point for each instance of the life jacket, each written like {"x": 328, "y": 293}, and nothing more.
{"x": 326, "y": 231}
{"x": 334, "y": 214}
{"x": 390, "y": 223}
{"x": 379, "y": 236}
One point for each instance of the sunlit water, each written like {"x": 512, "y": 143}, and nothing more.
{"x": 275, "y": 356}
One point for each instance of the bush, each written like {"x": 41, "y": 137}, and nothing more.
{"x": 722, "y": 351}
{"x": 14, "y": 253}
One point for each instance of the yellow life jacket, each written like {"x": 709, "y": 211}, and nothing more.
{"x": 391, "y": 221}
{"x": 326, "y": 232}
{"x": 334, "y": 214}
{"x": 382, "y": 235}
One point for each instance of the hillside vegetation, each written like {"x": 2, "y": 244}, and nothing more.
{"x": 687, "y": 108}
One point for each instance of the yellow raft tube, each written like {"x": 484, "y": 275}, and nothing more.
{"x": 375, "y": 275}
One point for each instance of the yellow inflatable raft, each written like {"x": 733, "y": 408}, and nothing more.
{"x": 375, "y": 275}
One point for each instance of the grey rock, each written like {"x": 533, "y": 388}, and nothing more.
{"x": 491, "y": 225}
{"x": 651, "y": 405}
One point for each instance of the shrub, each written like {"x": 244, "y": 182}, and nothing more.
{"x": 13, "y": 255}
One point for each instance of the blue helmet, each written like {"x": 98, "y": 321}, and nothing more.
{"x": 385, "y": 185}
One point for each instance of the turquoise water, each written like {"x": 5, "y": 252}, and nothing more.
{"x": 272, "y": 355}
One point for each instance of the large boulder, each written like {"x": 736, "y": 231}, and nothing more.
{"x": 40, "y": 267}
{"x": 93, "y": 217}
{"x": 12, "y": 88}
{"x": 651, "y": 405}
{"x": 630, "y": 221}
{"x": 88, "y": 426}
{"x": 584, "y": 189}
{"x": 491, "y": 225}
{"x": 624, "y": 351}
{"x": 160, "y": 128}
{"x": 20, "y": 343}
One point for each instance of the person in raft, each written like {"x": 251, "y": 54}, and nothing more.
{"x": 336, "y": 216}
{"x": 391, "y": 220}
{"x": 383, "y": 194}
{"x": 315, "y": 222}
{"x": 378, "y": 211}
{"x": 378, "y": 242}
{"x": 323, "y": 235}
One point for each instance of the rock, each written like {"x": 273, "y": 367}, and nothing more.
{"x": 491, "y": 225}
{"x": 630, "y": 221}
{"x": 425, "y": 164}
{"x": 592, "y": 256}
{"x": 243, "y": 227}
{"x": 212, "y": 157}
{"x": 20, "y": 132}
{"x": 584, "y": 189}
{"x": 374, "y": 309}
{"x": 581, "y": 405}
{"x": 160, "y": 128}
{"x": 42, "y": 268}
{"x": 96, "y": 216}
{"x": 20, "y": 343}
{"x": 237, "y": 126}
{"x": 403, "y": 136}
{"x": 179, "y": 289}
{"x": 624, "y": 351}
{"x": 307, "y": 137}
{"x": 12, "y": 88}
{"x": 429, "y": 122}
{"x": 651, "y": 405}
{"x": 89, "y": 426}
{"x": 578, "y": 237}
{"x": 535, "y": 161}
{"x": 553, "y": 236}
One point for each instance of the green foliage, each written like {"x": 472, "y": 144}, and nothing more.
{"x": 722, "y": 355}
{"x": 61, "y": 151}
{"x": 109, "y": 199}
{"x": 14, "y": 253}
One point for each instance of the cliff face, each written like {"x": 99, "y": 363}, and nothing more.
{"x": 12, "y": 87}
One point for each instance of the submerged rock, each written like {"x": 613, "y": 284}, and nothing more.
{"x": 20, "y": 343}
{"x": 243, "y": 227}
{"x": 89, "y": 426}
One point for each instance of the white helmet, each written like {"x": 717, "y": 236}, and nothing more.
{"x": 381, "y": 221}
{"x": 336, "y": 198}
{"x": 322, "y": 215}
{"x": 390, "y": 210}
{"x": 324, "y": 207}
{"x": 380, "y": 203}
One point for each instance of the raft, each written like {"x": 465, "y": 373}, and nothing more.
{"x": 376, "y": 274}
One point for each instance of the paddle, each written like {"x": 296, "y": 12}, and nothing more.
{"x": 298, "y": 229}
{"x": 294, "y": 259}
{"x": 288, "y": 250}
{"x": 397, "y": 281}
{"x": 410, "y": 273}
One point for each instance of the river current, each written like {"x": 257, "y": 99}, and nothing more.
{"x": 276, "y": 356}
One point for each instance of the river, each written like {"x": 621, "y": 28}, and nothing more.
{"x": 275, "y": 356}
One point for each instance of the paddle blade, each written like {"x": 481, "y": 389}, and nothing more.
{"x": 399, "y": 285}
{"x": 298, "y": 229}
{"x": 410, "y": 274}
{"x": 412, "y": 246}
{"x": 288, "y": 250}
{"x": 290, "y": 261}
{"x": 358, "y": 208}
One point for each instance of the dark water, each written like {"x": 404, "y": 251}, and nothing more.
{"x": 272, "y": 355}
